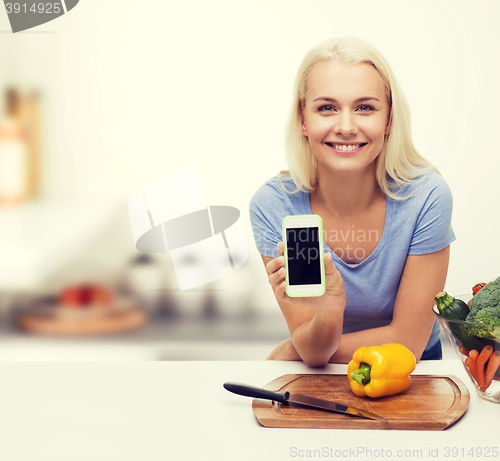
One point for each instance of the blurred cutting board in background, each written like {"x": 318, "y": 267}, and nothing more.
{"x": 82, "y": 322}
{"x": 431, "y": 403}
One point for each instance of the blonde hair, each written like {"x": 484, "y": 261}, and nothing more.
{"x": 398, "y": 163}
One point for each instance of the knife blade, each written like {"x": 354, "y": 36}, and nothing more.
{"x": 299, "y": 399}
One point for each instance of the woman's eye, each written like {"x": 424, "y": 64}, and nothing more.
{"x": 365, "y": 108}
{"x": 326, "y": 108}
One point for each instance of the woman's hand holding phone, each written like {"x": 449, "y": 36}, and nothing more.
{"x": 334, "y": 297}
{"x": 316, "y": 324}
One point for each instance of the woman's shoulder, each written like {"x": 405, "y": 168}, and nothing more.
{"x": 429, "y": 199}
{"x": 275, "y": 192}
{"x": 272, "y": 201}
{"x": 435, "y": 191}
{"x": 427, "y": 183}
{"x": 432, "y": 180}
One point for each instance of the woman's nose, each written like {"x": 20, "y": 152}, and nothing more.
{"x": 344, "y": 124}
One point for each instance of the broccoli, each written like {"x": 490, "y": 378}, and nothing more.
{"x": 485, "y": 310}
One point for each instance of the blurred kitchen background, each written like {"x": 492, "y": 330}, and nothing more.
{"x": 117, "y": 94}
{"x": 73, "y": 286}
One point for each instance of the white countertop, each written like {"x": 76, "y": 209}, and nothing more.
{"x": 180, "y": 411}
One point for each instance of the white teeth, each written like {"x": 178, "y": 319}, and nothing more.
{"x": 345, "y": 147}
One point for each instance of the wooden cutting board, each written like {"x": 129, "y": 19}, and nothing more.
{"x": 431, "y": 403}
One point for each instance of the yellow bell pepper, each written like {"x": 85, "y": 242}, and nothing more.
{"x": 379, "y": 371}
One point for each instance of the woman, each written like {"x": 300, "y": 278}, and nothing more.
{"x": 386, "y": 212}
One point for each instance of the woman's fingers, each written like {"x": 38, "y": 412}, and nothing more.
{"x": 281, "y": 248}
{"x": 331, "y": 271}
{"x": 276, "y": 268}
{"x": 275, "y": 265}
{"x": 280, "y": 291}
{"x": 277, "y": 277}
{"x": 333, "y": 278}
{"x": 329, "y": 266}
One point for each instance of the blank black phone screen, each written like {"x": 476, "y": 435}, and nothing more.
{"x": 302, "y": 254}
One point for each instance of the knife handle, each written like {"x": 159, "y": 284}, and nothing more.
{"x": 256, "y": 392}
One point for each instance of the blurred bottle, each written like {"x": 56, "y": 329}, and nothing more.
{"x": 31, "y": 121}
{"x": 13, "y": 153}
{"x": 145, "y": 280}
{"x": 235, "y": 295}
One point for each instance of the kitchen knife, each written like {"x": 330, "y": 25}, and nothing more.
{"x": 298, "y": 399}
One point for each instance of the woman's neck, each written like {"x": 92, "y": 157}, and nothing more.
{"x": 346, "y": 194}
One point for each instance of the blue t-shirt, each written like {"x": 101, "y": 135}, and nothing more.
{"x": 418, "y": 225}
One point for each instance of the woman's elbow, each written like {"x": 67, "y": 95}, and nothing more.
{"x": 315, "y": 363}
{"x": 416, "y": 350}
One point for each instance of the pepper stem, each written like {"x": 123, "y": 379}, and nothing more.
{"x": 362, "y": 374}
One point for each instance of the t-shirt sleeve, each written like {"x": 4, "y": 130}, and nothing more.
{"x": 266, "y": 207}
{"x": 433, "y": 230}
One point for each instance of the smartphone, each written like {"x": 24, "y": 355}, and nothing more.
{"x": 304, "y": 261}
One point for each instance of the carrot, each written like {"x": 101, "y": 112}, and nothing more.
{"x": 481, "y": 361}
{"x": 472, "y": 363}
{"x": 467, "y": 363}
{"x": 471, "y": 366}
{"x": 463, "y": 350}
{"x": 491, "y": 369}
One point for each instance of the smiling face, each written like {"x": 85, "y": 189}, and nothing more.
{"x": 346, "y": 116}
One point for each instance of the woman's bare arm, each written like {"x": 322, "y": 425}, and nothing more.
{"x": 315, "y": 333}
{"x": 315, "y": 323}
{"x": 423, "y": 277}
